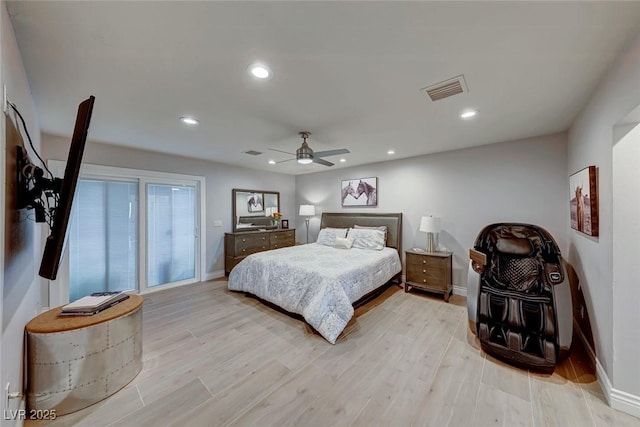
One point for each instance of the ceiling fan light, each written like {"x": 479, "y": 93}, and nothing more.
{"x": 305, "y": 160}
{"x": 304, "y": 154}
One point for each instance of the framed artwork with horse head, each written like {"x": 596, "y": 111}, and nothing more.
{"x": 255, "y": 202}
{"x": 583, "y": 201}
{"x": 359, "y": 192}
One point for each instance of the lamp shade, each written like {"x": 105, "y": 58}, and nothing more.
{"x": 307, "y": 210}
{"x": 430, "y": 224}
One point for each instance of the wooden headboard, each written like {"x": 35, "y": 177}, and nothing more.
{"x": 393, "y": 221}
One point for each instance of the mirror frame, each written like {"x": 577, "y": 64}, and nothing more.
{"x": 234, "y": 213}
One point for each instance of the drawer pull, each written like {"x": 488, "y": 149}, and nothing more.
{"x": 424, "y": 280}
{"x": 244, "y": 250}
{"x": 264, "y": 247}
{"x": 244, "y": 240}
{"x": 424, "y": 261}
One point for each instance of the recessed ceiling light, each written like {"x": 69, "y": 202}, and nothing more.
{"x": 189, "y": 120}
{"x": 272, "y": 162}
{"x": 468, "y": 114}
{"x": 259, "y": 71}
{"x": 391, "y": 152}
{"x": 343, "y": 160}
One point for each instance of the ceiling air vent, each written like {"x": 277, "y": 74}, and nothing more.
{"x": 446, "y": 88}
{"x": 253, "y": 152}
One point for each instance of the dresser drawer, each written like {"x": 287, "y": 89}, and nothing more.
{"x": 250, "y": 244}
{"x": 281, "y": 239}
{"x": 238, "y": 245}
{"x": 231, "y": 262}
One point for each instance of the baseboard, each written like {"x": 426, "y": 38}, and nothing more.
{"x": 214, "y": 275}
{"x": 455, "y": 289}
{"x": 605, "y": 384}
{"x": 460, "y": 290}
{"x": 617, "y": 399}
{"x": 590, "y": 351}
{"x": 625, "y": 402}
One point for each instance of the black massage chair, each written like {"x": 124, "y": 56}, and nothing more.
{"x": 518, "y": 296}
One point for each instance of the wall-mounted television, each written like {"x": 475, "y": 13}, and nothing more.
{"x": 54, "y": 247}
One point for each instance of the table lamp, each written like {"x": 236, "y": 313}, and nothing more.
{"x": 307, "y": 210}
{"x": 431, "y": 225}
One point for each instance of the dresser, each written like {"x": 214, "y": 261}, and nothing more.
{"x": 238, "y": 245}
{"x": 429, "y": 271}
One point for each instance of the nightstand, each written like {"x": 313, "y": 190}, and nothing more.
{"x": 430, "y": 271}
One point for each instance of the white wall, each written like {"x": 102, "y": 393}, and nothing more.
{"x": 518, "y": 181}
{"x": 590, "y": 143}
{"x": 20, "y": 284}
{"x": 626, "y": 269}
{"x": 220, "y": 179}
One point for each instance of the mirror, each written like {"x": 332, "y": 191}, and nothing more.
{"x": 252, "y": 209}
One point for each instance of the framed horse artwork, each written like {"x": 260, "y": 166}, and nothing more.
{"x": 255, "y": 202}
{"x": 359, "y": 192}
{"x": 583, "y": 201}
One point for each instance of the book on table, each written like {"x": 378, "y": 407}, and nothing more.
{"x": 94, "y": 303}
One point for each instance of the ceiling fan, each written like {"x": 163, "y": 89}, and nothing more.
{"x": 305, "y": 155}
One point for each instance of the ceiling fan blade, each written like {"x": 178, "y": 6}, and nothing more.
{"x": 331, "y": 152}
{"x": 280, "y": 151}
{"x": 321, "y": 161}
{"x": 282, "y": 161}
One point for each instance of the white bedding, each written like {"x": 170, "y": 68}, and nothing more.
{"x": 316, "y": 281}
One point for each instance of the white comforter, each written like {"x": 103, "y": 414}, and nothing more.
{"x": 316, "y": 281}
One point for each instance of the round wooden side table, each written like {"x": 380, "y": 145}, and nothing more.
{"x": 74, "y": 362}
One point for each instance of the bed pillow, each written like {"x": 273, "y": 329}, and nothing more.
{"x": 364, "y": 238}
{"x": 382, "y": 228}
{"x": 376, "y": 227}
{"x": 327, "y": 236}
{"x": 343, "y": 243}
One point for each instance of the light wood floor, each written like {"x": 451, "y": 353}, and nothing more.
{"x": 213, "y": 357}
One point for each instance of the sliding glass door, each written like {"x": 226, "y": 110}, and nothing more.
{"x": 171, "y": 234}
{"x": 103, "y": 238}
{"x": 131, "y": 230}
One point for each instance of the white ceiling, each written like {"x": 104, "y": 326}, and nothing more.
{"x": 349, "y": 72}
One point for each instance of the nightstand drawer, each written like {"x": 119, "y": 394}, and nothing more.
{"x": 416, "y": 273}
{"x": 426, "y": 261}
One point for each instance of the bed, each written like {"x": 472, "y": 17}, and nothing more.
{"x": 321, "y": 282}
